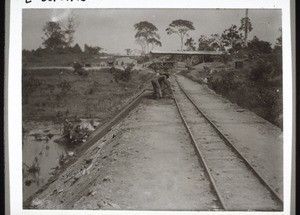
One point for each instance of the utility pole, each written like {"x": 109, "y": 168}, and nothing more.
{"x": 246, "y": 28}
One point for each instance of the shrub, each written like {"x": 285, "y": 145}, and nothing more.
{"x": 261, "y": 73}
{"x": 260, "y": 45}
{"x": 225, "y": 84}
{"x": 120, "y": 75}
{"x": 143, "y": 59}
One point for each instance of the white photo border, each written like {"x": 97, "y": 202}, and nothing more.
{"x": 14, "y": 90}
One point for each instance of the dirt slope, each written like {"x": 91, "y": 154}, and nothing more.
{"x": 146, "y": 163}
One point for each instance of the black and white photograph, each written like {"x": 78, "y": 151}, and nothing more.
{"x": 152, "y": 109}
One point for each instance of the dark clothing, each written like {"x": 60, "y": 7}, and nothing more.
{"x": 161, "y": 86}
{"x": 162, "y": 80}
{"x": 156, "y": 89}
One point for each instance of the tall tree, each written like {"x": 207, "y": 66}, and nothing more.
{"x": 92, "y": 49}
{"x": 142, "y": 42}
{"x": 69, "y": 29}
{"x": 190, "y": 44}
{"x": 246, "y": 26}
{"x": 278, "y": 43}
{"x": 154, "y": 42}
{"x": 76, "y": 48}
{"x": 204, "y": 44}
{"x": 259, "y": 45}
{"x": 54, "y": 36}
{"x": 146, "y": 32}
{"x": 217, "y": 42}
{"x": 181, "y": 28}
{"x": 232, "y": 37}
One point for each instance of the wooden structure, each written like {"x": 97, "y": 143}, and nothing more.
{"x": 189, "y": 55}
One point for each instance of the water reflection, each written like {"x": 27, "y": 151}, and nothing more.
{"x": 41, "y": 157}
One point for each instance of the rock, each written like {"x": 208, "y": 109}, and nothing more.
{"x": 54, "y": 192}
{"x": 86, "y": 125}
{"x": 116, "y": 145}
{"x": 89, "y": 169}
{"x": 88, "y": 161}
{"x": 28, "y": 182}
{"x": 95, "y": 123}
{"x": 40, "y": 137}
{"x": 114, "y": 205}
{"x": 36, "y": 202}
{"x": 76, "y": 177}
{"x": 91, "y": 193}
{"x": 107, "y": 179}
{"x": 101, "y": 204}
{"x": 101, "y": 145}
{"x": 71, "y": 154}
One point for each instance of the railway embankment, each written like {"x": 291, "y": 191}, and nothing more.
{"x": 147, "y": 161}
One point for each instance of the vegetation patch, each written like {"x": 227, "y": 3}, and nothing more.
{"x": 257, "y": 86}
{"x": 47, "y": 92}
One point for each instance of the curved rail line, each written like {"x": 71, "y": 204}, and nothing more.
{"x": 228, "y": 143}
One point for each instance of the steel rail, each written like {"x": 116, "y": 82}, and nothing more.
{"x": 228, "y": 143}
{"x": 200, "y": 156}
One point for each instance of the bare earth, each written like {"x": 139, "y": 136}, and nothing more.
{"x": 257, "y": 139}
{"x": 147, "y": 162}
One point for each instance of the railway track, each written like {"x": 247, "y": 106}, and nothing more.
{"x": 235, "y": 182}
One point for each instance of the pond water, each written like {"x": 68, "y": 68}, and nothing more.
{"x": 40, "y": 157}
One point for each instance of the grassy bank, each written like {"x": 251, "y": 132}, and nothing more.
{"x": 49, "y": 92}
{"x": 257, "y": 86}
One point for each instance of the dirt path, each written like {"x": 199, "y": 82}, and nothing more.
{"x": 146, "y": 163}
{"x": 239, "y": 189}
{"x": 258, "y": 140}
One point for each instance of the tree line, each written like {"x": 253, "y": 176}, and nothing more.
{"x": 60, "y": 36}
{"x": 232, "y": 39}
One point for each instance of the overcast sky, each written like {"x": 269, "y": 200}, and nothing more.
{"x": 112, "y": 29}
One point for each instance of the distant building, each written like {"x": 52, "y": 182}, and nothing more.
{"x": 101, "y": 61}
{"x": 124, "y": 61}
{"x": 103, "y": 64}
{"x": 110, "y": 63}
